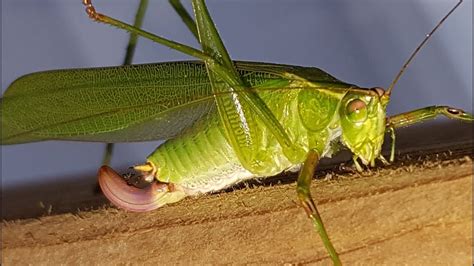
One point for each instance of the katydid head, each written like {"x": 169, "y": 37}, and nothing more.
{"x": 363, "y": 118}
{"x": 362, "y": 115}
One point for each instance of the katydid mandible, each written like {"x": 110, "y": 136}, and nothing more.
{"x": 269, "y": 118}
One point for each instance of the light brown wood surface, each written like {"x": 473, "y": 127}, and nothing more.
{"x": 415, "y": 215}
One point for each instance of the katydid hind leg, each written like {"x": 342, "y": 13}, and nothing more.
{"x": 239, "y": 125}
{"x": 239, "y": 107}
{"x": 222, "y": 66}
{"x": 303, "y": 190}
{"x": 102, "y": 18}
{"x": 185, "y": 17}
{"x": 132, "y": 42}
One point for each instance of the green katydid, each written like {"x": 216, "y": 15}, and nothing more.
{"x": 348, "y": 109}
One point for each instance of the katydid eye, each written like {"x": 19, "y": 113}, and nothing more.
{"x": 356, "y": 111}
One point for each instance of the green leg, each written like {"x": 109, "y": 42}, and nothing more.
{"x": 239, "y": 107}
{"x": 132, "y": 43}
{"x": 108, "y": 151}
{"x": 392, "y": 150}
{"x": 218, "y": 62}
{"x": 304, "y": 195}
{"x": 384, "y": 161}
{"x": 427, "y": 113}
{"x": 99, "y": 17}
{"x": 357, "y": 164}
{"x": 185, "y": 16}
{"x": 421, "y": 115}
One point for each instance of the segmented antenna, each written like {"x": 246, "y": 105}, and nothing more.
{"x": 428, "y": 36}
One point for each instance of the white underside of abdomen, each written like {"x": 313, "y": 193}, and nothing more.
{"x": 232, "y": 172}
{"x": 226, "y": 176}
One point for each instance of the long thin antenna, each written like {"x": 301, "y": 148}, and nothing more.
{"x": 428, "y": 36}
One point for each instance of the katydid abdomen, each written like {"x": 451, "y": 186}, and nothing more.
{"x": 202, "y": 160}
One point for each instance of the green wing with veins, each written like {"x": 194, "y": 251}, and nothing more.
{"x": 123, "y": 104}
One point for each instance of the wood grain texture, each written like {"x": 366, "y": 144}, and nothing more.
{"x": 418, "y": 212}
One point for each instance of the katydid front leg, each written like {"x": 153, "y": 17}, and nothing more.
{"x": 427, "y": 113}
{"x": 421, "y": 115}
{"x": 303, "y": 190}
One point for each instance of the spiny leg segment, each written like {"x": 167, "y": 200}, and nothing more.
{"x": 99, "y": 17}
{"x": 225, "y": 73}
{"x": 422, "y": 115}
{"x": 303, "y": 190}
{"x": 428, "y": 113}
{"x": 185, "y": 16}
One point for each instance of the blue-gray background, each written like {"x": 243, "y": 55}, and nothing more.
{"x": 364, "y": 42}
